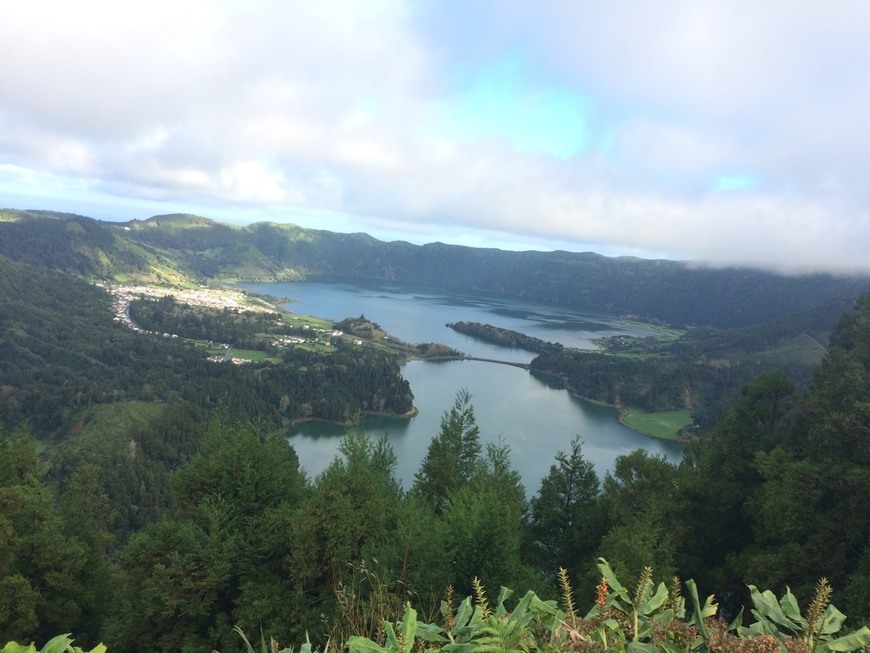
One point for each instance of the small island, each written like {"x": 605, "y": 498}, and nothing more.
{"x": 504, "y": 337}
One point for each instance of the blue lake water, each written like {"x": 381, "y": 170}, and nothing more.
{"x": 532, "y": 414}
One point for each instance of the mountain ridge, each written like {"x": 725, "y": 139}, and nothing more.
{"x": 185, "y": 248}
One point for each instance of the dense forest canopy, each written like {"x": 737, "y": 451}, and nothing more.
{"x": 246, "y": 538}
{"x": 149, "y": 499}
{"x": 64, "y": 352}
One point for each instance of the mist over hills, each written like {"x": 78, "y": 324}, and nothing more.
{"x": 183, "y": 248}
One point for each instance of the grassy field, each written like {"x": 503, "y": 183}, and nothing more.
{"x": 249, "y": 354}
{"x": 663, "y": 331}
{"x": 211, "y": 350}
{"x": 306, "y": 320}
{"x": 665, "y": 424}
{"x": 801, "y": 349}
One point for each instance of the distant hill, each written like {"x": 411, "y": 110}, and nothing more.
{"x": 177, "y": 247}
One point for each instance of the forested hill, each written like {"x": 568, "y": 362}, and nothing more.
{"x": 62, "y": 352}
{"x": 182, "y": 247}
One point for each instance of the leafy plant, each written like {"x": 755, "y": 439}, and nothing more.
{"x": 272, "y": 646}
{"x": 651, "y": 619}
{"x": 645, "y": 608}
{"x": 400, "y": 636}
{"x": 818, "y": 629}
{"x": 366, "y": 601}
{"x": 470, "y": 629}
{"x": 59, "y": 644}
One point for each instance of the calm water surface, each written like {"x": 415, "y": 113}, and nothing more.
{"x": 532, "y": 414}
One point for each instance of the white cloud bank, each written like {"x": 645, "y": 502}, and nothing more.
{"x": 725, "y": 132}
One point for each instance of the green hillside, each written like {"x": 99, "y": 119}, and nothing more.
{"x": 159, "y": 527}
{"x": 184, "y": 249}
{"x": 61, "y": 350}
{"x": 149, "y": 499}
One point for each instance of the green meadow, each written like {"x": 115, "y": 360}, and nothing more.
{"x": 665, "y": 424}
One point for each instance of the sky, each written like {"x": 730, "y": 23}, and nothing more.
{"x": 719, "y": 132}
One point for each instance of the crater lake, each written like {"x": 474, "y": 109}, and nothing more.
{"x": 532, "y": 413}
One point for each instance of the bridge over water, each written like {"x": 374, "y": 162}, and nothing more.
{"x": 524, "y": 366}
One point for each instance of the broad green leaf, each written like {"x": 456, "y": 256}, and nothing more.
{"x": 757, "y": 628}
{"x": 656, "y": 601}
{"x": 392, "y": 641}
{"x": 851, "y": 642}
{"x": 12, "y": 647}
{"x": 521, "y": 611}
{"x": 503, "y": 595}
{"x": 549, "y": 607}
{"x": 430, "y": 633}
{"x": 642, "y": 647}
{"x": 57, "y": 644}
{"x": 768, "y": 607}
{"x": 832, "y": 621}
{"x": 409, "y": 628}
{"x": 612, "y": 582}
{"x": 643, "y": 631}
{"x": 699, "y": 613}
{"x": 734, "y": 625}
{"x": 463, "y": 614}
{"x": 790, "y": 607}
{"x": 365, "y": 645}
{"x": 530, "y": 607}
{"x": 663, "y": 617}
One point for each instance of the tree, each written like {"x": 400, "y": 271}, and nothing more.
{"x": 643, "y": 515}
{"x": 54, "y": 572}
{"x": 566, "y": 516}
{"x": 811, "y": 514}
{"x": 23, "y": 503}
{"x": 190, "y": 575}
{"x": 350, "y": 517}
{"x": 718, "y": 477}
{"x": 452, "y": 456}
{"x": 483, "y": 525}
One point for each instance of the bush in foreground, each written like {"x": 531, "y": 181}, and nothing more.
{"x": 651, "y": 619}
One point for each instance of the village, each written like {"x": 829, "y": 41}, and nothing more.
{"x": 209, "y": 298}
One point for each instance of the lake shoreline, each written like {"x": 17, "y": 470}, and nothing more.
{"x": 530, "y": 412}
{"x": 296, "y": 423}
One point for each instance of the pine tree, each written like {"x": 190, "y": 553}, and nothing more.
{"x": 566, "y": 519}
{"x": 812, "y": 512}
{"x": 452, "y": 457}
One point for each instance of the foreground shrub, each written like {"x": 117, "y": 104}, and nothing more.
{"x": 59, "y": 644}
{"x": 649, "y": 619}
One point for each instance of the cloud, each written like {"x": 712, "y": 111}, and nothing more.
{"x": 728, "y": 132}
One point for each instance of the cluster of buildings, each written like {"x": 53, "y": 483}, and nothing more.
{"x": 123, "y": 295}
{"x": 223, "y": 299}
